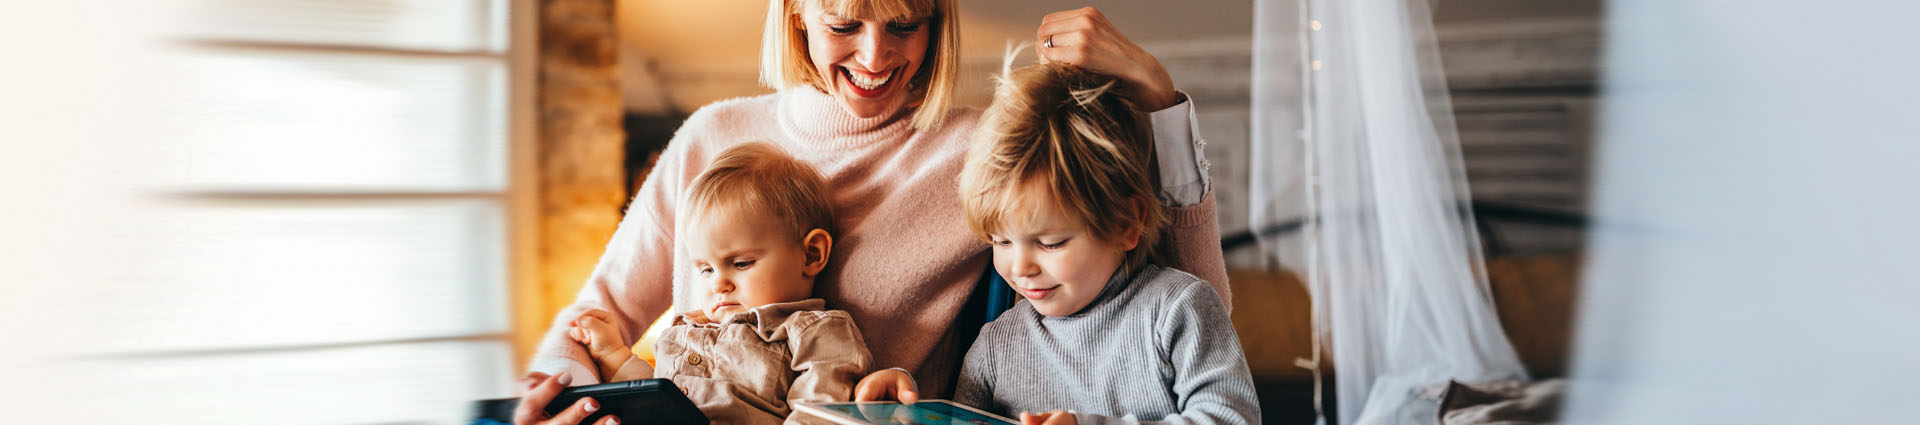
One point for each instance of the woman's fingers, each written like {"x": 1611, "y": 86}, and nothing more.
{"x": 1084, "y": 38}
{"x": 534, "y": 402}
{"x": 577, "y": 412}
{"x": 533, "y": 379}
{"x": 1064, "y": 43}
{"x": 1076, "y": 17}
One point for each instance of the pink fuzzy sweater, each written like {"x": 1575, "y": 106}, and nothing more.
{"x": 903, "y": 263}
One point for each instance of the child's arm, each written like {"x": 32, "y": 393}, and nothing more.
{"x": 1211, "y": 382}
{"x": 830, "y": 356}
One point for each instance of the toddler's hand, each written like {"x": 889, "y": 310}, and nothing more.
{"x": 602, "y": 335}
{"x": 1057, "y": 417}
{"x": 890, "y": 384}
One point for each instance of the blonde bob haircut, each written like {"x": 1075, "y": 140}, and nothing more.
{"x": 760, "y": 177}
{"x": 784, "y": 62}
{"x": 1076, "y": 134}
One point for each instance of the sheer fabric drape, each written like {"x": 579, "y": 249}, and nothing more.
{"x": 1353, "y": 138}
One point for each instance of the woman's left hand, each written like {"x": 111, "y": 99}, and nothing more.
{"x": 1083, "y": 37}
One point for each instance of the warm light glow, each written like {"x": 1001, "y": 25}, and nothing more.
{"x": 644, "y": 348}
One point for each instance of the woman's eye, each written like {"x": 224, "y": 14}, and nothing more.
{"x": 904, "y": 27}
{"x": 843, "y": 28}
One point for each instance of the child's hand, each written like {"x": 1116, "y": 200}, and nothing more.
{"x": 602, "y": 335}
{"x": 890, "y": 384}
{"x": 1057, "y": 417}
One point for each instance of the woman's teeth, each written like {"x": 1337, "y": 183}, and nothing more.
{"x": 869, "y": 83}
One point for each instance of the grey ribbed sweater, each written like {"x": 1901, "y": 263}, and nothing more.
{"x": 1154, "y": 347}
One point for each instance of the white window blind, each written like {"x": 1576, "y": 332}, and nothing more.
{"x": 327, "y": 237}
{"x": 282, "y": 119}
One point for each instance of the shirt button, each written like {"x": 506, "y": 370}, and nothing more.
{"x": 693, "y": 359}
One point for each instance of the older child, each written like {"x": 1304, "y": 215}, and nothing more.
{"x": 756, "y": 230}
{"x": 1059, "y": 182}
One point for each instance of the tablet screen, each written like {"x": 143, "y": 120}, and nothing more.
{"x": 932, "y": 412}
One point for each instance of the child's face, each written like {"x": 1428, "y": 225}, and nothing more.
{"x": 1051, "y": 259}
{"x": 745, "y": 259}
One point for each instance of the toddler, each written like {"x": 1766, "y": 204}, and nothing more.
{"x": 755, "y": 225}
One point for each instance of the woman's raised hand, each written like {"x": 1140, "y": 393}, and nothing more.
{"x": 1083, "y": 37}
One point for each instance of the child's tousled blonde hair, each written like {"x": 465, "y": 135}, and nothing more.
{"x": 760, "y": 177}
{"x": 1077, "y": 134}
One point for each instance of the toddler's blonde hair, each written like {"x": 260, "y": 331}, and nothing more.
{"x": 760, "y": 177}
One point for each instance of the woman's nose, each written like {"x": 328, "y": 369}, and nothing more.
{"x": 874, "y": 48}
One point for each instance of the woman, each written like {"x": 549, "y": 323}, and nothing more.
{"x": 865, "y": 88}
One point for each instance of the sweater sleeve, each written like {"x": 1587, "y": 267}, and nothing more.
{"x": 974, "y": 387}
{"x": 1211, "y": 383}
{"x": 1180, "y": 153}
{"x": 634, "y": 277}
{"x": 1193, "y": 246}
{"x": 829, "y": 357}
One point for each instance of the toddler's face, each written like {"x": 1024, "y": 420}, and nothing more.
{"x": 745, "y": 259}
{"x": 1052, "y": 260}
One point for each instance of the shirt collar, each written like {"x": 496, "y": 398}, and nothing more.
{"x": 767, "y": 318}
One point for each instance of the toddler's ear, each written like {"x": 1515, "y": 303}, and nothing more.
{"x": 819, "y": 247}
{"x": 1131, "y": 239}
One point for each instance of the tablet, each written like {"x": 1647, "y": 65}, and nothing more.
{"x": 646, "y": 401}
{"x": 926, "y": 412}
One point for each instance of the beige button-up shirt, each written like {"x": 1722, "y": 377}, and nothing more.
{"x": 752, "y": 367}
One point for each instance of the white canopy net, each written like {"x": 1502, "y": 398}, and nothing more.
{"x": 1353, "y": 138}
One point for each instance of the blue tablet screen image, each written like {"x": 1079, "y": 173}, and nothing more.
{"x": 922, "y": 413}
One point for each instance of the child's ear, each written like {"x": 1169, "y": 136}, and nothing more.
{"x": 1131, "y": 239}
{"x": 819, "y": 247}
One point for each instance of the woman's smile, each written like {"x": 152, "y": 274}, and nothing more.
{"x": 869, "y": 85}
{"x": 866, "y": 62}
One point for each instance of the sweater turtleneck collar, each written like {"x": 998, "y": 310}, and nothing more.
{"x": 812, "y": 117}
{"x": 1117, "y": 283}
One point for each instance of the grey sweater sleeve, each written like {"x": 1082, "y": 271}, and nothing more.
{"x": 975, "y": 385}
{"x": 1211, "y": 382}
